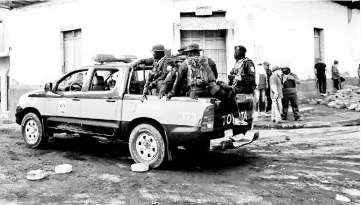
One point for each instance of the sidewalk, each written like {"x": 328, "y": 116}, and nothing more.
{"x": 314, "y": 116}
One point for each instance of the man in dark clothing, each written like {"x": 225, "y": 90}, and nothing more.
{"x": 170, "y": 83}
{"x": 208, "y": 64}
{"x": 289, "y": 81}
{"x": 242, "y": 76}
{"x": 199, "y": 77}
{"x": 158, "y": 72}
{"x": 336, "y": 75}
{"x": 268, "y": 90}
{"x": 320, "y": 70}
{"x": 182, "y": 56}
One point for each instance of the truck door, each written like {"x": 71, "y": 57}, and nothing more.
{"x": 100, "y": 104}
{"x": 63, "y": 104}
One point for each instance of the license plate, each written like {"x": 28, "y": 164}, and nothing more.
{"x": 228, "y": 133}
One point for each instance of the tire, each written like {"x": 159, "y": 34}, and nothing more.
{"x": 146, "y": 145}
{"x": 33, "y": 131}
{"x": 198, "y": 147}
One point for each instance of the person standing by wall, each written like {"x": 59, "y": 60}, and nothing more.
{"x": 260, "y": 92}
{"x": 289, "y": 81}
{"x": 276, "y": 94}
{"x": 336, "y": 76}
{"x": 266, "y": 66}
{"x": 320, "y": 70}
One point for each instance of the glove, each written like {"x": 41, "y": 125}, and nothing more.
{"x": 169, "y": 96}
{"x": 161, "y": 94}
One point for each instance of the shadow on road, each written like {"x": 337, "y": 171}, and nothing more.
{"x": 78, "y": 148}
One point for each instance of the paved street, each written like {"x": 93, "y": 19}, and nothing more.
{"x": 300, "y": 166}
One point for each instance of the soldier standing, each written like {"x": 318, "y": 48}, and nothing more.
{"x": 159, "y": 70}
{"x": 242, "y": 76}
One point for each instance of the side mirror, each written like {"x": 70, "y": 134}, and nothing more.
{"x": 48, "y": 87}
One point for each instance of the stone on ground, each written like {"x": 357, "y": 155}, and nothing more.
{"x": 331, "y": 104}
{"x": 139, "y": 167}
{"x": 352, "y": 106}
{"x": 36, "y": 174}
{"x": 342, "y": 198}
{"x": 63, "y": 169}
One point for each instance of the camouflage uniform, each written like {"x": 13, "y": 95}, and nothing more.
{"x": 244, "y": 69}
{"x": 157, "y": 75}
{"x": 170, "y": 84}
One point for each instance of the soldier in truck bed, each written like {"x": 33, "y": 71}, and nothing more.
{"x": 159, "y": 70}
{"x": 199, "y": 78}
{"x": 171, "y": 81}
{"x": 193, "y": 51}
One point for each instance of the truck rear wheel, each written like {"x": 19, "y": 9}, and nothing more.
{"x": 146, "y": 145}
{"x": 32, "y": 131}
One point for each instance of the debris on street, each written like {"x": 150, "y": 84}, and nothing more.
{"x": 348, "y": 98}
{"x": 139, "y": 167}
{"x": 36, "y": 175}
{"x": 63, "y": 169}
{"x": 342, "y": 198}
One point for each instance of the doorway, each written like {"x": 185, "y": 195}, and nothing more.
{"x": 213, "y": 43}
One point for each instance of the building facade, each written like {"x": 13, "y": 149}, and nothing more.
{"x": 47, "y": 39}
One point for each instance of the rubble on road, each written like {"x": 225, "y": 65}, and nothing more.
{"x": 139, "y": 167}
{"x": 36, "y": 175}
{"x": 348, "y": 98}
{"x": 342, "y": 198}
{"x": 63, "y": 169}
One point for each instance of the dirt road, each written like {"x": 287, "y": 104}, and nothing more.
{"x": 306, "y": 166}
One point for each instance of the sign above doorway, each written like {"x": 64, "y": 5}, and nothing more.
{"x": 203, "y": 10}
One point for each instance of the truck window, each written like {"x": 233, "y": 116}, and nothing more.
{"x": 137, "y": 81}
{"x": 75, "y": 78}
{"x": 104, "y": 80}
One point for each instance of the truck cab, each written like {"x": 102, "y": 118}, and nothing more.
{"x": 105, "y": 99}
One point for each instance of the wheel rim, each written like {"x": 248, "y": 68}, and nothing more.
{"x": 146, "y": 146}
{"x": 31, "y": 131}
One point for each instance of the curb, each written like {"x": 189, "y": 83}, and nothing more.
{"x": 316, "y": 124}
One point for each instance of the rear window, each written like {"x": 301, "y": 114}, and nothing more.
{"x": 137, "y": 81}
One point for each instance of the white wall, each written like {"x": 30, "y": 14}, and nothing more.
{"x": 282, "y": 30}
{"x": 5, "y": 19}
{"x": 108, "y": 26}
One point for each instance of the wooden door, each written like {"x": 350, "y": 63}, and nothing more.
{"x": 72, "y": 50}
{"x": 213, "y": 43}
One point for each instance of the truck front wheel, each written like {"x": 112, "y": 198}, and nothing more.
{"x": 32, "y": 131}
{"x": 146, "y": 145}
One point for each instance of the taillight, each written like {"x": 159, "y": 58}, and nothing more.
{"x": 208, "y": 119}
